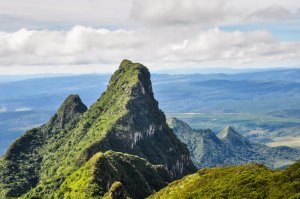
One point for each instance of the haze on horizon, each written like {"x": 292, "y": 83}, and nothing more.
{"x": 93, "y": 36}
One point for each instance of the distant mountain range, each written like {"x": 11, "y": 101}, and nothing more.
{"x": 213, "y": 92}
{"x": 263, "y": 102}
{"x": 122, "y": 147}
{"x": 230, "y": 148}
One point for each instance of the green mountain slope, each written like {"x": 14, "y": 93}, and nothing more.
{"x": 230, "y": 148}
{"x": 126, "y": 118}
{"x": 247, "y": 181}
{"x": 137, "y": 176}
{"x": 21, "y": 164}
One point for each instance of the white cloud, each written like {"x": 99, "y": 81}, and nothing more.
{"x": 85, "y": 49}
{"x": 66, "y": 9}
{"x": 62, "y": 14}
{"x": 22, "y": 109}
{"x": 239, "y": 47}
{"x": 272, "y": 13}
{"x": 16, "y": 14}
{"x": 80, "y": 45}
{"x": 213, "y": 12}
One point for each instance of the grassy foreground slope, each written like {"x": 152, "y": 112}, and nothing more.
{"x": 136, "y": 175}
{"x": 247, "y": 181}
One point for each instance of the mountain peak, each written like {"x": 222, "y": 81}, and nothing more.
{"x": 178, "y": 125}
{"x": 127, "y": 63}
{"x": 131, "y": 78}
{"x": 29, "y": 149}
{"x": 230, "y": 136}
{"x": 72, "y": 103}
{"x": 71, "y": 107}
{"x": 228, "y": 130}
{"x": 126, "y": 119}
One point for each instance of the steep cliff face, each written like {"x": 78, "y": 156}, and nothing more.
{"x": 141, "y": 127}
{"x": 126, "y": 118}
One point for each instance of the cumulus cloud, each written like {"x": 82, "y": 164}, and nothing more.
{"x": 172, "y": 12}
{"x": 272, "y": 13}
{"x": 235, "y": 48}
{"x": 212, "y": 12}
{"x": 59, "y": 14}
{"x": 80, "y": 45}
{"x": 86, "y": 48}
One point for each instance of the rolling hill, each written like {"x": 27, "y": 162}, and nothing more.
{"x": 247, "y": 181}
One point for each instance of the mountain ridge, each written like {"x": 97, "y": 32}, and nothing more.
{"x": 23, "y": 158}
{"x": 127, "y": 119}
{"x": 176, "y": 94}
{"x": 229, "y": 147}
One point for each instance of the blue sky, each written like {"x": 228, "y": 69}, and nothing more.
{"x": 64, "y": 36}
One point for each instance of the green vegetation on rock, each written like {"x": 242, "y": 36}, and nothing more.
{"x": 21, "y": 165}
{"x": 247, "y": 181}
{"x": 116, "y": 191}
{"x": 126, "y": 118}
{"x": 136, "y": 175}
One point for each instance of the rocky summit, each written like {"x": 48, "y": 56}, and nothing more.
{"x": 120, "y": 147}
